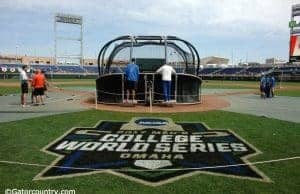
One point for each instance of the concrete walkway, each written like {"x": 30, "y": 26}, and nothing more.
{"x": 223, "y": 91}
{"x": 280, "y": 107}
{"x": 11, "y": 110}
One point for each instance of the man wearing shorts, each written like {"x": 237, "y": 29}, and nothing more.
{"x": 131, "y": 77}
{"x": 24, "y": 85}
{"x": 38, "y": 83}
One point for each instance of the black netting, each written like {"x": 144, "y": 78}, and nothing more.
{"x": 185, "y": 88}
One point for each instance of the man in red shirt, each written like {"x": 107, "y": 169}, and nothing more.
{"x": 38, "y": 83}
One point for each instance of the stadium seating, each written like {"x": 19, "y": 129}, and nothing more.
{"x": 291, "y": 70}
{"x": 256, "y": 70}
{"x": 72, "y": 69}
{"x": 230, "y": 71}
{"x": 91, "y": 69}
{"x": 209, "y": 71}
{"x": 46, "y": 68}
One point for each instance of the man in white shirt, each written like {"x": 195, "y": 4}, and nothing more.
{"x": 24, "y": 85}
{"x": 166, "y": 71}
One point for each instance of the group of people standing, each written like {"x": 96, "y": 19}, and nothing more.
{"x": 267, "y": 86}
{"x": 132, "y": 76}
{"x": 38, "y": 84}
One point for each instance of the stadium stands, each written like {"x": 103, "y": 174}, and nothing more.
{"x": 209, "y": 72}
{"x": 72, "y": 69}
{"x": 91, "y": 69}
{"x": 230, "y": 70}
{"x": 69, "y": 69}
{"x": 256, "y": 70}
{"x": 293, "y": 70}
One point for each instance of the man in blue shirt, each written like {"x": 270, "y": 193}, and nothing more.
{"x": 131, "y": 77}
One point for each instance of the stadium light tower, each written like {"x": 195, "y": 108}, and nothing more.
{"x": 76, "y": 21}
{"x": 17, "y": 46}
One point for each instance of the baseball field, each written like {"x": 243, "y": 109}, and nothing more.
{"x": 274, "y": 131}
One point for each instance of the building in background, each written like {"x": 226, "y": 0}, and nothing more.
{"x": 214, "y": 61}
{"x": 37, "y": 60}
{"x": 274, "y": 61}
{"x": 89, "y": 61}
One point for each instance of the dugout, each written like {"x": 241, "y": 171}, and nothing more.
{"x": 150, "y": 52}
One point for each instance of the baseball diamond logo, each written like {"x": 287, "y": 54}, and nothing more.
{"x": 152, "y": 151}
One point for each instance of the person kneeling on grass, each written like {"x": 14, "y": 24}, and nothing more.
{"x": 166, "y": 71}
{"x": 131, "y": 77}
{"x": 38, "y": 83}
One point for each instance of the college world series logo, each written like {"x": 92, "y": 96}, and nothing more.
{"x": 152, "y": 151}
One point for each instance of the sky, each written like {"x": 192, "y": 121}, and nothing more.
{"x": 245, "y": 30}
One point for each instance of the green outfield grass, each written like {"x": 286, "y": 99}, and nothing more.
{"x": 13, "y": 88}
{"x": 5, "y": 90}
{"x": 224, "y": 84}
{"x": 293, "y": 93}
{"x": 289, "y": 88}
{"x": 230, "y": 84}
{"x": 57, "y": 81}
{"x": 22, "y": 141}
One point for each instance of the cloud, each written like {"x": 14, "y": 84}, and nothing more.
{"x": 227, "y": 16}
{"x": 225, "y": 21}
{"x": 268, "y": 13}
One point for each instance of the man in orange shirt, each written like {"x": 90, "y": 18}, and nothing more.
{"x": 38, "y": 83}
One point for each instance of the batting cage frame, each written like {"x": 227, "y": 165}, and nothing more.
{"x": 185, "y": 85}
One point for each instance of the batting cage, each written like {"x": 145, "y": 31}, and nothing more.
{"x": 150, "y": 53}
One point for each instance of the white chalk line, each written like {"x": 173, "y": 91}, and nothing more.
{"x": 165, "y": 169}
